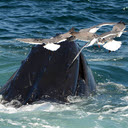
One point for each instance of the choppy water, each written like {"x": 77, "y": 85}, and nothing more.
{"x": 45, "y": 18}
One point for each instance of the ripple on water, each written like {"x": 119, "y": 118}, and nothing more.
{"x": 34, "y": 19}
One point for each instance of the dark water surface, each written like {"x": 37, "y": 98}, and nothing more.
{"x": 45, "y": 18}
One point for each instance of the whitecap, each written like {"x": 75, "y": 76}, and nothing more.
{"x": 42, "y": 125}
{"x": 115, "y": 110}
{"x": 105, "y": 59}
{"x": 125, "y": 98}
{"x": 125, "y": 115}
{"x": 13, "y": 122}
{"x": 119, "y": 86}
{"x": 45, "y": 106}
{"x": 9, "y": 121}
{"x": 7, "y": 109}
{"x": 107, "y": 106}
{"x": 100, "y": 117}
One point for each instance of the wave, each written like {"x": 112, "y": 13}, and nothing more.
{"x": 76, "y": 103}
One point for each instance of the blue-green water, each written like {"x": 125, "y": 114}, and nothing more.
{"x": 45, "y": 18}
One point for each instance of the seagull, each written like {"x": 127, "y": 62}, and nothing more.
{"x": 119, "y": 27}
{"x": 88, "y": 34}
{"x": 105, "y": 39}
{"x": 51, "y": 44}
{"x": 117, "y": 31}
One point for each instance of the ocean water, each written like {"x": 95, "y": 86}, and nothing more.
{"x": 45, "y": 18}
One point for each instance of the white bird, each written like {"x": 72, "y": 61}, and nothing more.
{"x": 105, "y": 39}
{"x": 88, "y": 34}
{"x": 51, "y": 44}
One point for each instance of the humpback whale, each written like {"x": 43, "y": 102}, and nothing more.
{"x": 45, "y": 75}
{"x": 56, "y": 68}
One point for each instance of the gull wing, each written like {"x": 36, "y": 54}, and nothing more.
{"x": 32, "y": 40}
{"x": 95, "y": 28}
{"x": 93, "y": 42}
{"x": 48, "y": 43}
{"x": 86, "y": 45}
{"x": 108, "y": 35}
{"x": 112, "y": 45}
{"x": 120, "y": 26}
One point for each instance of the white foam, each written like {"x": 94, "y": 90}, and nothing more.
{"x": 42, "y": 125}
{"x": 106, "y": 59}
{"x": 100, "y": 117}
{"x": 119, "y": 86}
{"x": 125, "y": 115}
{"x": 115, "y": 110}
{"x": 7, "y": 109}
{"x": 107, "y": 106}
{"x": 74, "y": 99}
{"x": 13, "y": 122}
{"x": 98, "y": 59}
{"x": 45, "y": 106}
{"x": 125, "y": 98}
{"x": 31, "y": 123}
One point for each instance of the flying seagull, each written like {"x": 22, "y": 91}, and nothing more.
{"x": 88, "y": 34}
{"x": 51, "y": 44}
{"x": 105, "y": 39}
